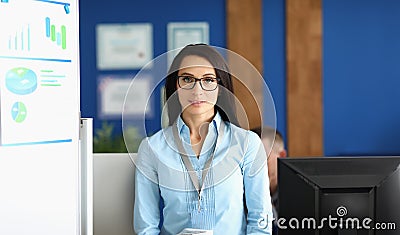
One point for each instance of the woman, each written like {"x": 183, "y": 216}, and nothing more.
{"x": 202, "y": 171}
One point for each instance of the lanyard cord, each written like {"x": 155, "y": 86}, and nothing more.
{"x": 188, "y": 164}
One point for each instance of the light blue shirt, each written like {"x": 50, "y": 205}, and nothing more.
{"x": 235, "y": 198}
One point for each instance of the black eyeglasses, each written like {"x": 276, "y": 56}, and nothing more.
{"x": 206, "y": 83}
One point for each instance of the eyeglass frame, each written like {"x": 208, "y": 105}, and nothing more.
{"x": 197, "y": 80}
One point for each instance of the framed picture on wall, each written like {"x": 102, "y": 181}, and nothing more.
{"x": 113, "y": 90}
{"x": 184, "y": 33}
{"x": 123, "y": 46}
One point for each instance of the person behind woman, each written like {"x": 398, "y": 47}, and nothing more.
{"x": 275, "y": 147}
{"x": 203, "y": 169}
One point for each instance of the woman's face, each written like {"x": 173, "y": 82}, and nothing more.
{"x": 197, "y": 101}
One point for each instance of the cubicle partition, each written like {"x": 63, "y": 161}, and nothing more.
{"x": 113, "y": 194}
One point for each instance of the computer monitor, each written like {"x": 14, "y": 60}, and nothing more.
{"x": 339, "y": 196}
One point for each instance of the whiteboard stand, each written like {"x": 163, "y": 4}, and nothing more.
{"x": 86, "y": 202}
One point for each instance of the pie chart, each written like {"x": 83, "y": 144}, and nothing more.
{"x": 18, "y": 112}
{"x": 21, "y": 81}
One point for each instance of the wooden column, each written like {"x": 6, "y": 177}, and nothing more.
{"x": 244, "y": 36}
{"x": 304, "y": 77}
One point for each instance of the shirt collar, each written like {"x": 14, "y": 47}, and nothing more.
{"x": 216, "y": 122}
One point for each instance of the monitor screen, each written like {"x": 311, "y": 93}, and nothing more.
{"x": 339, "y": 195}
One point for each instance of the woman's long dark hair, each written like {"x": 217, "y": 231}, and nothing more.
{"x": 226, "y": 101}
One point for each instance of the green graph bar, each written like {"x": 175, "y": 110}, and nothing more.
{"x": 63, "y": 37}
{"x": 53, "y": 76}
{"x": 46, "y": 70}
{"x": 53, "y": 33}
{"x": 51, "y": 84}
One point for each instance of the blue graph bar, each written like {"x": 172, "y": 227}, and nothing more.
{"x": 58, "y": 39}
{"x": 29, "y": 38}
{"x": 34, "y": 58}
{"x": 54, "y": 2}
{"x": 22, "y": 39}
{"x": 39, "y": 142}
{"x": 47, "y": 27}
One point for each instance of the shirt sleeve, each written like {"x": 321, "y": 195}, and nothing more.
{"x": 256, "y": 186}
{"x": 146, "y": 216}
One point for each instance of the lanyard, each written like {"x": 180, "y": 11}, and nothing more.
{"x": 188, "y": 164}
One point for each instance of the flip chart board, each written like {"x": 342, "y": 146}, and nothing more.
{"x": 39, "y": 117}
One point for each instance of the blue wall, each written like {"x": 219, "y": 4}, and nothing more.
{"x": 361, "y": 56}
{"x": 159, "y": 13}
{"x": 361, "y": 74}
{"x": 274, "y": 56}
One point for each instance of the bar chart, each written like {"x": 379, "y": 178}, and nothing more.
{"x": 59, "y": 37}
